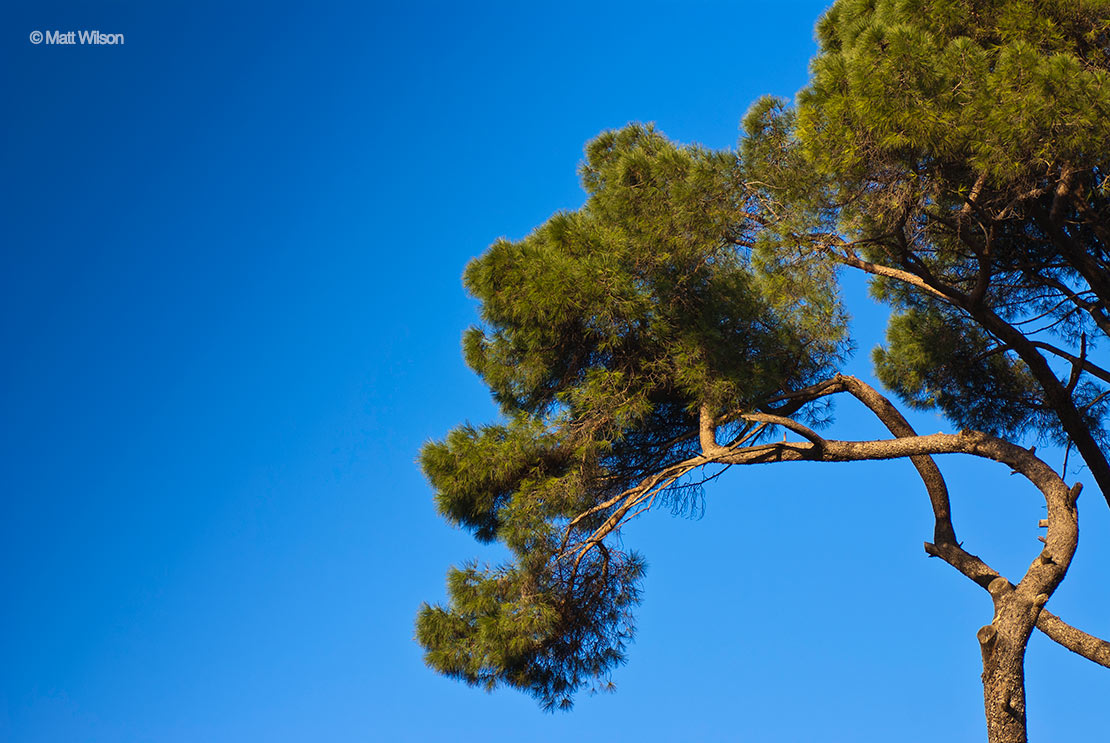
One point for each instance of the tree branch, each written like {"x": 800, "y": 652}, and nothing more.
{"x": 787, "y": 423}
{"x": 707, "y": 432}
{"x": 1075, "y": 640}
{"x": 877, "y": 269}
{"x": 1077, "y": 361}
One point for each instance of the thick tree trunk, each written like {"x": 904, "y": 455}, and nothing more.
{"x": 1004, "y": 683}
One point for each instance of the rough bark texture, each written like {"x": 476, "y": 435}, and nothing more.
{"x": 1003, "y": 643}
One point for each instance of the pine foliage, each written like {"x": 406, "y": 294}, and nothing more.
{"x": 604, "y": 333}
{"x": 966, "y": 143}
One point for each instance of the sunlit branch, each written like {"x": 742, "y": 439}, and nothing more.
{"x": 787, "y": 423}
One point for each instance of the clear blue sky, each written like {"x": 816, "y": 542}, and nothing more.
{"x": 230, "y": 313}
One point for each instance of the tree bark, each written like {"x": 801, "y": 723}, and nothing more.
{"x": 1003, "y": 644}
{"x": 1004, "y": 690}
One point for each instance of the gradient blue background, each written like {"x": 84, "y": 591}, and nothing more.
{"x": 230, "y": 313}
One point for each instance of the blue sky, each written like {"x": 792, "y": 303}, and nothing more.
{"x": 230, "y": 309}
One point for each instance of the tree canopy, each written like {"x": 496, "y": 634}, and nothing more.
{"x": 688, "y": 315}
{"x": 607, "y": 331}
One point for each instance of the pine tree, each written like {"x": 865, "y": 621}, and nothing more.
{"x": 687, "y": 315}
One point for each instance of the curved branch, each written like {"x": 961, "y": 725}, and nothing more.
{"x": 787, "y": 423}
{"x": 707, "y": 432}
{"x": 943, "y": 530}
